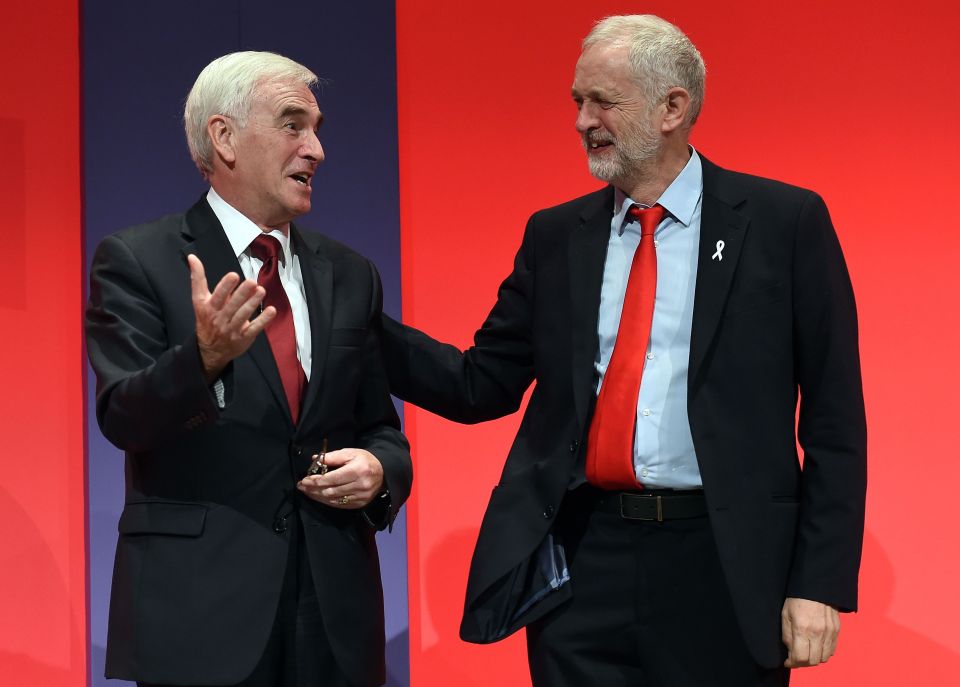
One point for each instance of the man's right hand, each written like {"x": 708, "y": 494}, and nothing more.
{"x": 224, "y": 327}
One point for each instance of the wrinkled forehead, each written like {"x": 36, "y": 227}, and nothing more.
{"x": 603, "y": 67}
{"x": 284, "y": 95}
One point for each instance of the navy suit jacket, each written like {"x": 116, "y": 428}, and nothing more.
{"x": 774, "y": 322}
{"x": 210, "y": 492}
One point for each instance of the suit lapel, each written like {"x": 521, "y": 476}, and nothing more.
{"x": 587, "y": 253}
{"x": 317, "y": 273}
{"x": 210, "y": 244}
{"x": 720, "y": 221}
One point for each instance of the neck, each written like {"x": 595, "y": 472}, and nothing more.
{"x": 649, "y": 182}
{"x": 239, "y": 203}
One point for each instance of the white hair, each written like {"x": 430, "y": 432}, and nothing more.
{"x": 228, "y": 86}
{"x": 661, "y": 55}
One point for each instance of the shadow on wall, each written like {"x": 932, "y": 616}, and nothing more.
{"x": 450, "y": 660}
{"x": 874, "y": 650}
{"x": 33, "y": 603}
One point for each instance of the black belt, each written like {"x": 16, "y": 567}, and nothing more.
{"x": 654, "y": 506}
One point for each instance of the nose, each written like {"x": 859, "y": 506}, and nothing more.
{"x": 311, "y": 149}
{"x": 587, "y": 118}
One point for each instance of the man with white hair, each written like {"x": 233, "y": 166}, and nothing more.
{"x": 238, "y": 368}
{"x": 653, "y": 525}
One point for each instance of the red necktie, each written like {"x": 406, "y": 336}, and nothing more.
{"x": 280, "y": 332}
{"x": 611, "y": 438}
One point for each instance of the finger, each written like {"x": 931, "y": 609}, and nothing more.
{"x": 340, "y": 457}
{"x": 801, "y": 651}
{"x": 820, "y": 636}
{"x": 235, "y": 299}
{"x": 335, "y": 483}
{"x": 241, "y": 317}
{"x": 833, "y": 636}
{"x": 816, "y": 651}
{"x": 223, "y": 289}
{"x": 352, "y": 488}
{"x": 344, "y": 479}
{"x": 198, "y": 279}
{"x": 252, "y": 329}
{"x": 335, "y": 497}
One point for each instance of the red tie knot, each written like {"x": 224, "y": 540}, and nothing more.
{"x": 649, "y": 218}
{"x": 265, "y": 247}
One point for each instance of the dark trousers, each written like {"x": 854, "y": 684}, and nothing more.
{"x": 650, "y": 608}
{"x": 297, "y": 653}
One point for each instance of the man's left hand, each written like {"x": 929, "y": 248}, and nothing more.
{"x": 355, "y": 481}
{"x": 810, "y": 631}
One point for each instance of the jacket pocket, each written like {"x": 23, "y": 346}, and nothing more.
{"x": 785, "y": 498}
{"x": 163, "y": 517}
{"x": 352, "y": 337}
{"x": 752, "y": 300}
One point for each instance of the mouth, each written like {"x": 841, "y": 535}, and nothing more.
{"x": 302, "y": 178}
{"x": 595, "y": 145}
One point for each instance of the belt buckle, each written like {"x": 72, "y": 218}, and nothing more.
{"x": 624, "y": 513}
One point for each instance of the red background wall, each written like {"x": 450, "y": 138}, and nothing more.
{"x": 856, "y": 101}
{"x": 42, "y": 567}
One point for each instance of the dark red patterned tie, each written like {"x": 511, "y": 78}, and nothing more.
{"x": 280, "y": 333}
{"x": 611, "y": 438}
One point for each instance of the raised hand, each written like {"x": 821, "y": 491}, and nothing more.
{"x": 224, "y": 327}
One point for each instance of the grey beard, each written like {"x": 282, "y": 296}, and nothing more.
{"x": 634, "y": 150}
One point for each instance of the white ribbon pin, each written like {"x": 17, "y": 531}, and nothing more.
{"x": 719, "y": 254}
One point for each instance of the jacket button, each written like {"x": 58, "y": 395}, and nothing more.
{"x": 280, "y": 525}
{"x": 574, "y": 445}
{"x": 548, "y": 512}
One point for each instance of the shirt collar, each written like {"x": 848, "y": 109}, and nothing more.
{"x": 679, "y": 199}
{"x": 240, "y": 230}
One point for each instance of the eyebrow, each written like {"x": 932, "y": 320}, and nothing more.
{"x": 297, "y": 111}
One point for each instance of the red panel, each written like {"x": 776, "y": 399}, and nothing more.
{"x": 858, "y": 103}
{"x": 42, "y": 566}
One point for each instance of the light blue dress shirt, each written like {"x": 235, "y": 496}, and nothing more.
{"x": 663, "y": 456}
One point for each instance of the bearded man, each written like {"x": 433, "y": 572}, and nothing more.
{"x": 653, "y": 524}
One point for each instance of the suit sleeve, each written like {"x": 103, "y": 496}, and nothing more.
{"x": 148, "y": 390}
{"x": 484, "y": 382}
{"x": 378, "y": 426}
{"x": 832, "y": 422}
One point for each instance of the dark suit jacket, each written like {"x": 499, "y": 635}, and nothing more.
{"x": 210, "y": 493}
{"x": 773, "y": 321}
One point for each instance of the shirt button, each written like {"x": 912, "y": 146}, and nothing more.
{"x": 548, "y": 512}
{"x": 643, "y": 472}
{"x": 645, "y": 412}
{"x": 650, "y": 356}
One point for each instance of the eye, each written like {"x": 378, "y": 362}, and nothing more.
{"x": 604, "y": 104}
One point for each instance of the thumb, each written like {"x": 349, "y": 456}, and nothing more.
{"x": 339, "y": 457}
{"x": 198, "y": 278}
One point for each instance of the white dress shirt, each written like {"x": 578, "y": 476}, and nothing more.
{"x": 241, "y": 232}
{"x": 663, "y": 447}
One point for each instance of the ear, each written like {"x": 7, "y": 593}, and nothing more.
{"x": 676, "y": 104}
{"x": 222, "y": 131}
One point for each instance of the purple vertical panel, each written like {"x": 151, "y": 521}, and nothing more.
{"x": 139, "y": 61}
